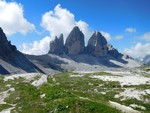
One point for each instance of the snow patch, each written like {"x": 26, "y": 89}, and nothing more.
{"x": 123, "y": 108}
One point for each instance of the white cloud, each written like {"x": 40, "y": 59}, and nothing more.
{"x": 130, "y": 30}
{"x": 12, "y": 19}
{"x": 145, "y": 36}
{"x": 37, "y": 47}
{"x": 62, "y": 21}
{"x": 106, "y": 35}
{"x": 119, "y": 37}
{"x": 139, "y": 50}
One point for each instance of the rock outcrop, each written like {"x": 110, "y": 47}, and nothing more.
{"x": 57, "y": 45}
{"x": 97, "y": 45}
{"x": 75, "y": 42}
{"x": 113, "y": 52}
{"x": 6, "y": 49}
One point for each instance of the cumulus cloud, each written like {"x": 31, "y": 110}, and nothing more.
{"x": 37, "y": 47}
{"x": 139, "y": 50}
{"x": 145, "y": 36}
{"x": 62, "y": 21}
{"x": 106, "y": 35}
{"x": 130, "y": 30}
{"x": 58, "y": 21}
{"x": 12, "y": 19}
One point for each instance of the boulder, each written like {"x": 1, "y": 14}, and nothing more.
{"x": 75, "y": 42}
{"x": 97, "y": 45}
{"x": 57, "y": 45}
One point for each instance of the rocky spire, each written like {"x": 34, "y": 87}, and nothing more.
{"x": 57, "y": 45}
{"x": 97, "y": 45}
{"x": 75, "y": 42}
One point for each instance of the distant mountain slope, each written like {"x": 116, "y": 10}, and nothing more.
{"x": 146, "y": 59}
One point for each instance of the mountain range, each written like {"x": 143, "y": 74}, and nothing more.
{"x": 69, "y": 55}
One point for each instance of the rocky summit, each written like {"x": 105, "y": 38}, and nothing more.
{"x": 57, "y": 46}
{"x": 97, "y": 45}
{"x": 75, "y": 42}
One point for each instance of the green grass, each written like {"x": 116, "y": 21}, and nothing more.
{"x": 65, "y": 94}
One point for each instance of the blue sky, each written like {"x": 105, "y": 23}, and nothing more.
{"x": 124, "y": 22}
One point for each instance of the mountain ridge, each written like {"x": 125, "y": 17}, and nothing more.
{"x": 71, "y": 56}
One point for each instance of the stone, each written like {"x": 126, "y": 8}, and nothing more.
{"x": 57, "y": 45}
{"x": 97, "y": 45}
{"x": 75, "y": 44}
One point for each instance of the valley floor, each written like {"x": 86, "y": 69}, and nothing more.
{"x": 121, "y": 91}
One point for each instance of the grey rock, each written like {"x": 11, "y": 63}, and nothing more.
{"x": 97, "y": 45}
{"x": 127, "y": 56}
{"x": 113, "y": 52}
{"x": 6, "y": 49}
{"x": 13, "y": 61}
{"x": 75, "y": 42}
{"x": 57, "y": 45}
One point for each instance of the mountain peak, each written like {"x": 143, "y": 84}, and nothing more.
{"x": 75, "y": 42}
{"x": 76, "y": 28}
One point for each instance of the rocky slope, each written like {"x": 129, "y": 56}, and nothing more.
{"x": 11, "y": 60}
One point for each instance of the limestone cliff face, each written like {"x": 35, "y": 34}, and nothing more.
{"x": 57, "y": 45}
{"x": 75, "y": 42}
{"x": 97, "y": 45}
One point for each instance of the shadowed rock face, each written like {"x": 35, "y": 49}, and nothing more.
{"x": 57, "y": 46}
{"x": 146, "y": 59}
{"x": 113, "y": 52}
{"x": 75, "y": 42}
{"x": 97, "y": 45}
{"x": 6, "y": 49}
